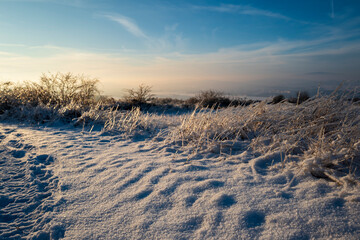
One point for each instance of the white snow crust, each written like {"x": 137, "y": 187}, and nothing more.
{"x": 64, "y": 183}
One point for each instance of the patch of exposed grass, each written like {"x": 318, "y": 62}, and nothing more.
{"x": 323, "y": 134}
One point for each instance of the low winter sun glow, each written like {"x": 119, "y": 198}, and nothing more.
{"x": 244, "y": 47}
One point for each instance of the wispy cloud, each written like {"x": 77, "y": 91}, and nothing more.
{"x": 11, "y": 45}
{"x": 332, "y": 15}
{"x": 128, "y": 23}
{"x": 332, "y": 9}
{"x": 242, "y": 9}
{"x": 73, "y": 3}
{"x": 170, "y": 40}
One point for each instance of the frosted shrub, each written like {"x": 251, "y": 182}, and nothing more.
{"x": 63, "y": 89}
{"x": 140, "y": 95}
{"x": 209, "y": 98}
{"x": 67, "y": 95}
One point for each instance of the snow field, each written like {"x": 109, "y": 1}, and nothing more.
{"x": 261, "y": 172}
{"x": 111, "y": 187}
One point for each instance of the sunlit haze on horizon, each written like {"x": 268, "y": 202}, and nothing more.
{"x": 252, "y": 47}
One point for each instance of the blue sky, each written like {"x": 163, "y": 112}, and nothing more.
{"x": 257, "y": 47}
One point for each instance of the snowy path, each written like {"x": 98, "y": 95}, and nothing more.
{"x": 105, "y": 187}
{"x": 27, "y": 188}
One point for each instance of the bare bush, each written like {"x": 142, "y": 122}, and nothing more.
{"x": 210, "y": 98}
{"x": 138, "y": 96}
{"x": 13, "y": 95}
{"x": 56, "y": 89}
{"x": 63, "y": 96}
{"x": 62, "y": 89}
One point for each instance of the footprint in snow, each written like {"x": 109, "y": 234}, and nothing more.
{"x": 156, "y": 178}
{"x": 193, "y": 168}
{"x": 191, "y": 224}
{"x": 170, "y": 189}
{"x": 25, "y": 195}
{"x": 253, "y": 219}
{"x": 208, "y": 184}
{"x": 104, "y": 141}
{"x": 45, "y": 159}
{"x": 158, "y": 206}
{"x": 261, "y": 164}
{"x": 15, "y": 144}
{"x": 18, "y": 153}
{"x": 143, "y": 194}
{"x": 189, "y": 201}
{"x": 8, "y": 130}
{"x": 224, "y": 200}
{"x": 5, "y": 200}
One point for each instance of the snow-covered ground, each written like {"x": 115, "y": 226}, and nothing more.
{"x": 62, "y": 182}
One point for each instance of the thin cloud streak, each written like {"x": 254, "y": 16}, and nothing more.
{"x": 332, "y": 9}
{"x": 72, "y": 3}
{"x": 276, "y": 52}
{"x": 128, "y": 24}
{"x": 169, "y": 41}
{"x": 242, "y": 9}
